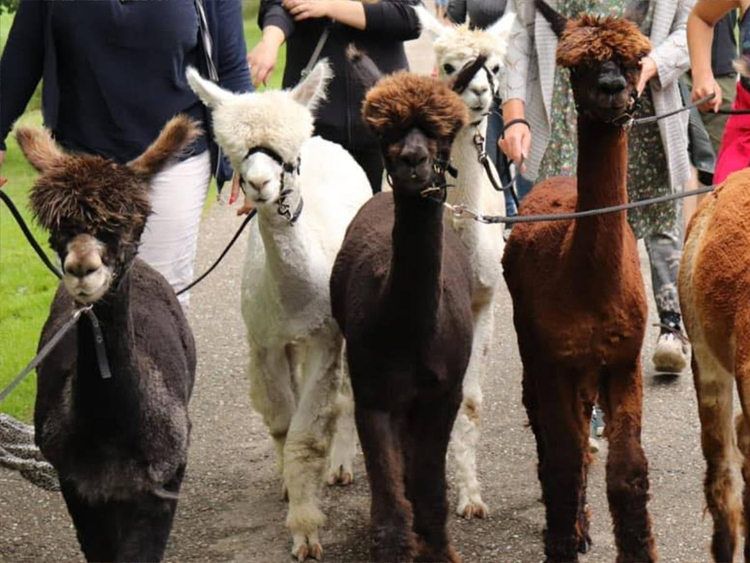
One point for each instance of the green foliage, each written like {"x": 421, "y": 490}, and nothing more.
{"x": 8, "y": 6}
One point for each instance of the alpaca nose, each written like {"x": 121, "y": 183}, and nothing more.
{"x": 480, "y": 90}
{"x": 257, "y": 184}
{"x": 414, "y": 156}
{"x": 612, "y": 83}
{"x": 82, "y": 264}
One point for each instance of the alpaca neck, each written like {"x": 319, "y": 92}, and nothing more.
{"x": 470, "y": 181}
{"x": 290, "y": 258}
{"x": 112, "y": 402}
{"x": 598, "y": 241}
{"x": 414, "y": 286}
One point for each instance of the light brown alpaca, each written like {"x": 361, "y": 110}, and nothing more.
{"x": 714, "y": 292}
{"x": 579, "y": 302}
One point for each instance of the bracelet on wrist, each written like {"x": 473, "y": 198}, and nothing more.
{"x": 514, "y": 122}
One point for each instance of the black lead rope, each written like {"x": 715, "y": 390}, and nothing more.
{"x": 221, "y": 256}
{"x": 27, "y": 233}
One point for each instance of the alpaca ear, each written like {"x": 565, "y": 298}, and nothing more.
{"x": 176, "y": 135}
{"x": 39, "y": 148}
{"x": 209, "y": 93}
{"x": 428, "y": 22}
{"x": 312, "y": 90}
{"x": 636, "y": 11}
{"x": 466, "y": 74}
{"x": 365, "y": 70}
{"x": 557, "y": 21}
{"x": 501, "y": 30}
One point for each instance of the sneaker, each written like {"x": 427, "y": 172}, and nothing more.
{"x": 671, "y": 353}
{"x": 593, "y": 445}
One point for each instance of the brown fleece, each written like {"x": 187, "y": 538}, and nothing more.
{"x": 88, "y": 193}
{"x": 402, "y": 100}
{"x": 591, "y": 40}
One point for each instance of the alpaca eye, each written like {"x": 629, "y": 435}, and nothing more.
{"x": 449, "y": 68}
{"x": 495, "y": 69}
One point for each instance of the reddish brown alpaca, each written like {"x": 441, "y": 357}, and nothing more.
{"x": 714, "y": 282}
{"x": 579, "y": 302}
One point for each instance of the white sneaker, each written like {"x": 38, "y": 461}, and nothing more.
{"x": 671, "y": 354}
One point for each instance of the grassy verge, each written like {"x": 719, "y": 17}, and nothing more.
{"x": 26, "y": 287}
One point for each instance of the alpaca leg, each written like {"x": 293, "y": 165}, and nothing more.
{"x": 92, "y": 524}
{"x": 742, "y": 363}
{"x": 272, "y": 395}
{"x": 344, "y": 447}
{"x": 145, "y": 522}
{"x": 307, "y": 446}
{"x": 390, "y": 511}
{"x": 621, "y": 399}
{"x": 564, "y": 431}
{"x": 429, "y": 429}
{"x": 466, "y": 429}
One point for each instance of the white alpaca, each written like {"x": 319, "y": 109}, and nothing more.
{"x": 456, "y": 46}
{"x": 295, "y": 345}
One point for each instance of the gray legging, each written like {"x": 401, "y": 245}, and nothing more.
{"x": 665, "y": 251}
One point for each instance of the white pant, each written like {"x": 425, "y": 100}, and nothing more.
{"x": 170, "y": 239}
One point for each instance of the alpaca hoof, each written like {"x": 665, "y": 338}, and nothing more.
{"x": 305, "y": 550}
{"x": 340, "y": 476}
{"x": 584, "y": 545}
{"x": 473, "y": 509}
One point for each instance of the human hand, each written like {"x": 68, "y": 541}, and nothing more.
{"x": 515, "y": 144}
{"x": 307, "y": 9}
{"x": 3, "y": 181}
{"x": 262, "y": 60}
{"x": 247, "y": 205}
{"x": 705, "y": 86}
{"x": 648, "y": 71}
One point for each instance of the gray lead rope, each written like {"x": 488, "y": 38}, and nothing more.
{"x": 316, "y": 52}
{"x": 463, "y": 212}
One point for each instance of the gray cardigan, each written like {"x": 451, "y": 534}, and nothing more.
{"x": 531, "y": 72}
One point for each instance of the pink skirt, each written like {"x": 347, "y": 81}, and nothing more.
{"x": 734, "y": 153}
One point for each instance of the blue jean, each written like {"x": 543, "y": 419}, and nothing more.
{"x": 494, "y": 131}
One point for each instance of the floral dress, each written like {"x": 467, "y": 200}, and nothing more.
{"x": 648, "y": 175}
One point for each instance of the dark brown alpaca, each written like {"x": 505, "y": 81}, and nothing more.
{"x": 579, "y": 302}
{"x": 401, "y": 292}
{"x": 118, "y": 443}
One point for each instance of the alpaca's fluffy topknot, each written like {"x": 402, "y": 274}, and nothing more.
{"x": 403, "y": 100}
{"x": 90, "y": 194}
{"x": 592, "y": 40}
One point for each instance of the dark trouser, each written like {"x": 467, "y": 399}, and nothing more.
{"x": 372, "y": 163}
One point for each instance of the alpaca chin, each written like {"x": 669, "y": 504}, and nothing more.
{"x": 91, "y": 288}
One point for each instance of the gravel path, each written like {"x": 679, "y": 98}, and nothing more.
{"x": 232, "y": 508}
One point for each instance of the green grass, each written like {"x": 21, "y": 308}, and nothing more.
{"x": 26, "y": 286}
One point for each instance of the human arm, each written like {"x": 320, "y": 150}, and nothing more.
{"x": 700, "y": 35}
{"x": 390, "y": 20}
{"x": 670, "y": 58}
{"x": 516, "y": 140}
{"x": 22, "y": 64}
{"x": 277, "y": 24}
{"x": 230, "y": 53}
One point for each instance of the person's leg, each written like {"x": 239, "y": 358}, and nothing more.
{"x": 494, "y": 130}
{"x": 664, "y": 247}
{"x": 371, "y": 162}
{"x": 170, "y": 240}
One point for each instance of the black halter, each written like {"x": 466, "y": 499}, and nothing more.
{"x": 284, "y": 208}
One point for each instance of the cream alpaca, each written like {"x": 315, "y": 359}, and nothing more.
{"x": 296, "y": 371}
{"x": 455, "y": 47}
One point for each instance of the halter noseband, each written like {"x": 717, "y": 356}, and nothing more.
{"x": 284, "y": 209}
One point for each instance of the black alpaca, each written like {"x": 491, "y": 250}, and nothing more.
{"x": 119, "y": 443}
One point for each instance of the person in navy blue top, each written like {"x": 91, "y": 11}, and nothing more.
{"x": 113, "y": 74}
